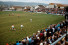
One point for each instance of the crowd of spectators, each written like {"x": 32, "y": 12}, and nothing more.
{"x": 57, "y": 11}
{"x": 45, "y": 36}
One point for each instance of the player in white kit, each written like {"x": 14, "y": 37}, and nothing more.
{"x": 22, "y": 27}
{"x": 30, "y": 20}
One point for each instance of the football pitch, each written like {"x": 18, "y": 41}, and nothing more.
{"x": 39, "y": 21}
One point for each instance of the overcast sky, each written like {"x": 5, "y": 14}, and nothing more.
{"x": 41, "y": 1}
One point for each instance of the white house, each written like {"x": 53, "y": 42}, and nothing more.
{"x": 36, "y": 7}
{"x": 40, "y": 8}
{"x": 27, "y": 8}
{"x": 17, "y": 8}
{"x": 32, "y": 8}
{"x": 56, "y": 5}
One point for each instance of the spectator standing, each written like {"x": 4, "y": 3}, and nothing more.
{"x": 20, "y": 43}
{"x": 41, "y": 43}
{"x": 7, "y": 44}
{"x": 45, "y": 34}
{"x": 17, "y": 43}
{"x": 53, "y": 30}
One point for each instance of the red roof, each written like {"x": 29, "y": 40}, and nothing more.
{"x": 59, "y": 5}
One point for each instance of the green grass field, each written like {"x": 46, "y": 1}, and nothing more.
{"x": 39, "y": 21}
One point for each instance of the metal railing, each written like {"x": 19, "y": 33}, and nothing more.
{"x": 58, "y": 39}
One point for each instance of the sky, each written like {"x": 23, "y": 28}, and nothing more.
{"x": 41, "y": 1}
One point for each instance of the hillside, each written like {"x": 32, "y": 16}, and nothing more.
{"x": 21, "y": 3}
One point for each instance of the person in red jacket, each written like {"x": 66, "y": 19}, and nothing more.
{"x": 7, "y": 44}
